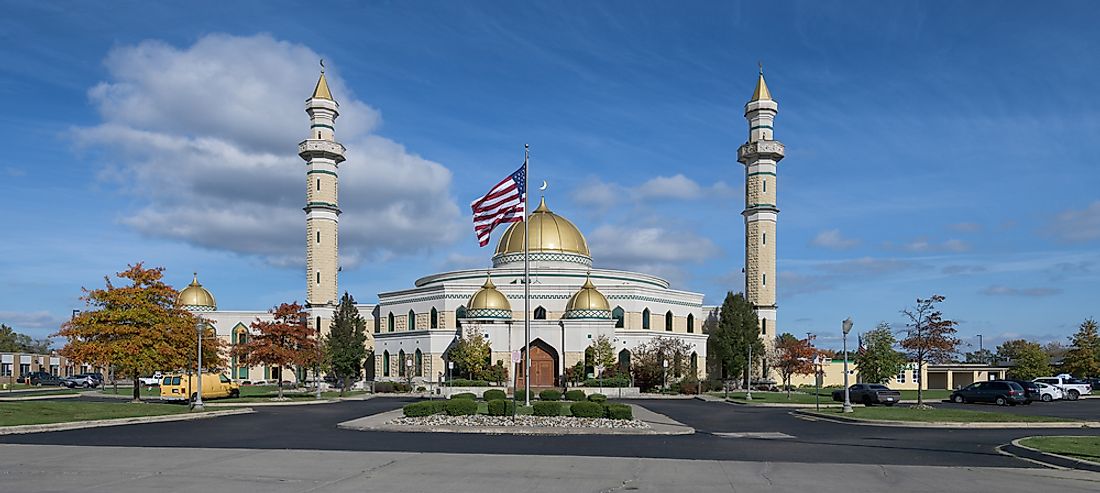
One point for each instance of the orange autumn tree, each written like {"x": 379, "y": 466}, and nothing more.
{"x": 283, "y": 341}
{"x": 137, "y": 328}
{"x": 793, "y": 356}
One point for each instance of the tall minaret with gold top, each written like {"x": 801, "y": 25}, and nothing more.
{"x": 323, "y": 155}
{"x": 760, "y": 155}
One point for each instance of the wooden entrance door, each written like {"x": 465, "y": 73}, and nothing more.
{"x": 543, "y": 368}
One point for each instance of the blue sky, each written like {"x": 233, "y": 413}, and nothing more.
{"x": 931, "y": 147}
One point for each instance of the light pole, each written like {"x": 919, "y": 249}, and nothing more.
{"x": 748, "y": 375}
{"x": 846, "y": 327}
{"x": 450, "y": 366}
{"x": 981, "y": 350}
{"x": 197, "y": 406}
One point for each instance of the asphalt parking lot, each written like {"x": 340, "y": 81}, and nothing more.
{"x": 1082, "y": 409}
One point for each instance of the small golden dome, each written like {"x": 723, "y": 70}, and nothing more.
{"x": 487, "y": 302}
{"x": 321, "y": 91}
{"x": 196, "y": 297}
{"x": 549, "y": 233}
{"x": 588, "y": 302}
{"x": 761, "y": 93}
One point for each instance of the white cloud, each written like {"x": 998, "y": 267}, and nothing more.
{"x": 648, "y": 249}
{"x": 1000, "y": 290}
{"x": 598, "y": 194}
{"x": 604, "y": 195}
{"x": 832, "y": 239}
{"x": 31, "y": 320}
{"x": 670, "y": 187}
{"x": 206, "y": 136}
{"x": 923, "y": 245}
{"x": 1076, "y": 226}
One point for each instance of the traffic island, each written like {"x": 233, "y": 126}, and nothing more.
{"x": 1073, "y": 452}
{"x": 899, "y": 416}
{"x": 645, "y": 422}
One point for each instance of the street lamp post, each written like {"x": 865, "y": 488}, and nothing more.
{"x": 981, "y": 350}
{"x": 198, "y": 406}
{"x": 846, "y": 327}
{"x": 450, "y": 366}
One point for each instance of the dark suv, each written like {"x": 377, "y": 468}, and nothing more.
{"x": 1031, "y": 390}
{"x": 1001, "y": 392}
{"x": 41, "y": 378}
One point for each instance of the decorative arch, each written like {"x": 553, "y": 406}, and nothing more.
{"x": 386, "y": 363}
{"x": 645, "y": 319}
{"x": 418, "y": 364}
{"x": 544, "y": 365}
{"x": 238, "y": 336}
{"x": 460, "y": 314}
{"x": 691, "y": 323}
{"x": 677, "y": 363}
{"x": 668, "y": 321}
{"x": 694, "y": 363}
{"x": 411, "y": 323}
{"x": 540, "y": 313}
{"x": 434, "y": 320}
{"x": 401, "y": 363}
{"x": 389, "y": 322}
{"x": 620, "y": 317}
{"x": 624, "y": 361}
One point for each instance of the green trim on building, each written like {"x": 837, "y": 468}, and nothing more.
{"x": 321, "y": 204}
{"x": 769, "y": 127}
{"x": 322, "y": 125}
{"x": 574, "y": 276}
{"x": 322, "y": 171}
{"x": 761, "y": 173}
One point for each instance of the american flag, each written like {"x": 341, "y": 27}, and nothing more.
{"x": 503, "y": 204}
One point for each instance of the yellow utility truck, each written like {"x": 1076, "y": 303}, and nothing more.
{"x": 184, "y": 387}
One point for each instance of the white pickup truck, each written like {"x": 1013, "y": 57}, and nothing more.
{"x": 1071, "y": 387}
{"x": 152, "y": 381}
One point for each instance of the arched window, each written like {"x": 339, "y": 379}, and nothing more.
{"x": 540, "y": 313}
{"x": 460, "y": 314}
{"x": 434, "y": 319}
{"x": 411, "y": 323}
{"x": 401, "y": 363}
{"x": 645, "y": 319}
{"x": 389, "y": 322}
{"x": 691, "y": 323}
{"x": 695, "y": 363}
{"x": 668, "y": 321}
{"x": 318, "y": 325}
{"x": 619, "y": 317}
{"x": 677, "y": 362}
{"x": 418, "y": 364}
{"x": 624, "y": 361}
{"x": 386, "y": 364}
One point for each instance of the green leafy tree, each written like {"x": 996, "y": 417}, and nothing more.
{"x": 728, "y": 343}
{"x": 981, "y": 356}
{"x": 283, "y": 341}
{"x": 929, "y": 337}
{"x": 15, "y": 342}
{"x": 603, "y": 352}
{"x": 471, "y": 354}
{"x": 877, "y": 360}
{"x": 345, "y": 345}
{"x": 138, "y": 328}
{"x": 1083, "y": 359}
{"x": 1028, "y": 359}
{"x": 647, "y": 361}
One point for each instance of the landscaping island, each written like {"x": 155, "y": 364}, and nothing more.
{"x": 1078, "y": 447}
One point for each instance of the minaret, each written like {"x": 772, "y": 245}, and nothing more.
{"x": 322, "y": 155}
{"x": 760, "y": 155}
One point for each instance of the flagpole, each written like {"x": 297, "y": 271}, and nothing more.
{"x": 526, "y": 280}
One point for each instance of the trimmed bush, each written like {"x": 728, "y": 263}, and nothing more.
{"x": 550, "y": 395}
{"x": 546, "y": 408}
{"x": 521, "y": 395}
{"x": 608, "y": 382}
{"x": 597, "y": 398}
{"x": 619, "y": 411}
{"x": 461, "y": 407}
{"x": 423, "y": 408}
{"x": 501, "y": 407}
{"x": 462, "y": 382}
{"x": 587, "y": 410}
{"x": 383, "y": 387}
{"x": 494, "y": 394}
{"x": 465, "y": 395}
{"x": 574, "y": 395}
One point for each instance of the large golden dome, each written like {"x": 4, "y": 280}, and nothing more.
{"x": 550, "y": 233}
{"x": 588, "y": 302}
{"x": 196, "y": 298}
{"x": 487, "y": 302}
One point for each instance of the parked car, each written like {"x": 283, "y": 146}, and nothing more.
{"x": 1001, "y": 392}
{"x": 1048, "y": 392}
{"x": 1094, "y": 382}
{"x": 869, "y": 394}
{"x": 1072, "y": 387}
{"x": 41, "y": 378}
{"x": 83, "y": 380}
{"x": 1031, "y": 389}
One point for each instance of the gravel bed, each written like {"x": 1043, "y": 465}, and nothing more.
{"x": 526, "y": 421}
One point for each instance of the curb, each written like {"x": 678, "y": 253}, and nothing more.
{"x": 302, "y": 402}
{"x": 948, "y": 425}
{"x": 1046, "y": 458}
{"x": 100, "y": 423}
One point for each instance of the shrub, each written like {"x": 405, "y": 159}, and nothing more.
{"x": 689, "y": 386}
{"x": 574, "y": 395}
{"x": 608, "y": 382}
{"x": 401, "y": 387}
{"x": 546, "y": 408}
{"x": 418, "y": 389}
{"x": 465, "y": 395}
{"x": 521, "y": 395}
{"x": 423, "y": 408}
{"x": 619, "y": 411}
{"x": 462, "y": 382}
{"x": 587, "y": 410}
{"x": 383, "y": 387}
{"x": 550, "y": 395}
{"x": 501, "y": 407}
{"x": 597, "y": 398}
{"x": 461, "y": 407}
{"x": 494, "y": 394}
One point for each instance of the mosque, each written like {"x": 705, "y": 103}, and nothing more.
{"x": 572, "y": 301}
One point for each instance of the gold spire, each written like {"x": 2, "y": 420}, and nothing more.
{"x": 321, "y": 91}
{"x": 761, "y": 92}
{"x": 542, "y": 206}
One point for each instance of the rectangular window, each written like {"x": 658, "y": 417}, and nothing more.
{"x": 764, "y": 279}
{"x": 24, "y": 368}
{"x": 318, "y": 237}
{"x": 765, "y": 182}
{"x": 764, "y": 326}
{"x": 901, "y": 377}
{"x": 6, "y": 370}
{"x": 319, "y": 185}
{"x": 318, "y": 277}
{"x": 916, "y": 376}
{"x": 765, "y": 237}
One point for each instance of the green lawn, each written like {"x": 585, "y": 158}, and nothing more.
{"x": 128, "y": 391}
{"x": 903, "y": 413}
{"x": 779, "y": 397}
{"x": 40, "y": 412}
{"x": 1087, "y": 448}
{"x": 929, "y": 395}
